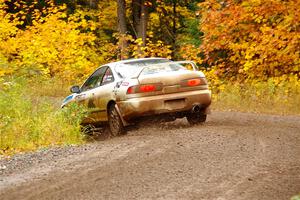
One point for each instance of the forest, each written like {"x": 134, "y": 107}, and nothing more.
{"x": 237, "y": 40}
{"x": 249, "y": 51}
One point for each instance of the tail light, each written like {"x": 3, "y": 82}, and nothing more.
{"x": 194, "y": 82}
{"x": 147, "y": 88}
{"x": 144, "y": 88}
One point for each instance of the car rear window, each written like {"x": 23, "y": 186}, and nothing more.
{"x": 152, "y": 66}
{"x": 163, "y": 67}
{"x": 142, "y": 63}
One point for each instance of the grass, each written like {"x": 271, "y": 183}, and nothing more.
{"x": 297, "y": 197}
{"x": 262, "y": 97}
{"x": 31, "y": 119}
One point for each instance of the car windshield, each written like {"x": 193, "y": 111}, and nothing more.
{"x": 155, "y": 66}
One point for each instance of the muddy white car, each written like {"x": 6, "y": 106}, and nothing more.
{"x": 121, "y": 93}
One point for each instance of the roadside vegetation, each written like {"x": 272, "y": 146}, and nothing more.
{"x": 249, "y": 50}
{"x": 297, "y": 197}
{"x": 271, "y": 96}
{"x": 30, "y": 120}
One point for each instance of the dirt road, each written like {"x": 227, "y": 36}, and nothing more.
{"x": 233, "y": 156}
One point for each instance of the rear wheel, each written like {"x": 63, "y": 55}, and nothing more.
{"x": 196, "y": 118}
{"x": 114, "y": 120}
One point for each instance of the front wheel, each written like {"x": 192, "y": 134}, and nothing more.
{"x": 196, "y": 118}
{"x": 115, "y": 123}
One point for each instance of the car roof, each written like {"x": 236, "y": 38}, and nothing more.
{"x": 133, "y": 60}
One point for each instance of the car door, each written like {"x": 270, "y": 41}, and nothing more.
{"x": 104, "y": 93}
{"x": 88, "y": 93}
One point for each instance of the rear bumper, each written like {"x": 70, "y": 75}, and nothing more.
{"x": 167, "y": 103}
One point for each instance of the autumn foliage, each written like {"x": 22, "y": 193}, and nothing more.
{"x": 243, "y": 42}
{"x": 50, "y": 40}
{"x": 52, "y": 44}
{"x": 251, "y": 39}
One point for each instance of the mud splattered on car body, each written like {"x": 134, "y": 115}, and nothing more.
{"x": 121, "y": 92}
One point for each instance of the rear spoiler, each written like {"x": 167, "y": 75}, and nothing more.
{"x": 137, "y": 75}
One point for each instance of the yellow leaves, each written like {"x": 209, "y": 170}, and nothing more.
{"x": 296, "y": 68}
{"x": 139, "y": 41}
{"x": 258, "y": 19}
{"x": 63, "y": 15}
{"x": 150, "y": 34}
{"x": 4, "y": 66}
{"x": 154, "y": 17}
{"x": 137, "y": 49}
{"x": 51, "y": 46}
{"x": 210, "y": 5}
{"x": 190, "y": 52}
{"x": 151, "y": 49}
{"x": 248, "y": 65}
{"x": 249, "y": 55}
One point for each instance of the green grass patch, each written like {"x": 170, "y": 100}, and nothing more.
{"x": 30, "y": 117}
{"x": 270, "y": 97}
{"x": 297, "y": 197}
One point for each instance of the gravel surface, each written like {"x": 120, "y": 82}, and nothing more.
{"x": 232, "y": 156}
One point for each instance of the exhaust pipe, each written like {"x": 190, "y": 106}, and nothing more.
{"x": 196, "y": 109}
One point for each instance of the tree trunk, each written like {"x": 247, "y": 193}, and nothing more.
{"x": 136, "y": 10}
{"x": 122, "y": 28}
{"x": 93, "y": 3}
{"x": 174, "y": 28}
{"x": 144, "y": 22}
{"x": 140, "y": 19}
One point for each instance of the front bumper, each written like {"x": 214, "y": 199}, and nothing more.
{"x": 166, "y": 103}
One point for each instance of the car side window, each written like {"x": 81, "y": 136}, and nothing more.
{"x": 108, "y": 77}
{"x": 95, "y": 78}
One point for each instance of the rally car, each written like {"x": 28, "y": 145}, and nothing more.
{"x": 126, "y": 91}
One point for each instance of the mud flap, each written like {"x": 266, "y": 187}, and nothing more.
{"x": 124, "y": 122}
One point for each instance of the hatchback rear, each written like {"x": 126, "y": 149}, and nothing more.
{"x": 121, "y": 93}
{"x": 165, "y": 88}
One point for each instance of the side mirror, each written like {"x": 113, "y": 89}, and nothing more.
{"x": 75, "y": 89}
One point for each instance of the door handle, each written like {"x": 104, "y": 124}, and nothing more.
{"x": 80, "y": 97}
{"x": 118, "y": 84}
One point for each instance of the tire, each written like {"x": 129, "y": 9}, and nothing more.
{"x": 114, "y": 121}
{"x": 196, "y": 118}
